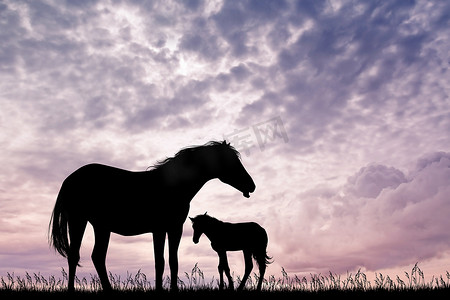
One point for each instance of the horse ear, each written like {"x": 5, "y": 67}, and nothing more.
{"x": 205, "y": 213}
{"x": 224, "y": 142}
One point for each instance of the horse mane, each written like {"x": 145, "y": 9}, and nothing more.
{"x": 189, "y": 149}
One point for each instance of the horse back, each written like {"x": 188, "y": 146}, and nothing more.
{"x": 122, "y": 201}
{"x": 98, "y": 179}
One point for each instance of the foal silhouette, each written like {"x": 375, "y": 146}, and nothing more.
{"x": 131, "y": 203}
{"x": 249, "y": 237}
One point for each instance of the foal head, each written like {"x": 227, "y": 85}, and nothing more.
{"x": 201, "y": 223}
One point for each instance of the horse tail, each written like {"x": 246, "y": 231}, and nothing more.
{"x": 58, "y": 238}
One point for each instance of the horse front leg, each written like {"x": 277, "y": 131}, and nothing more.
{"x": 174, "y": 243}
{"x": 159, "y": 239}
{"x": 220, "y": 269}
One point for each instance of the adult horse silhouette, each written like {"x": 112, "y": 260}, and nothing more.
{"x": 249, "y": 237}
{"x": 131, "y": 203}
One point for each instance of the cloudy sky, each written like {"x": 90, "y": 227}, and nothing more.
{"x": 340, "y": 109}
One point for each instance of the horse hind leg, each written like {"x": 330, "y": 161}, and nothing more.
{"x": 174, "y": 242}
{"x": 76, "y": 232}
{"x": 99, "y": 256}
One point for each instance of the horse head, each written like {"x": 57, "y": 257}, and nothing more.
{"x": 232, "y": 172}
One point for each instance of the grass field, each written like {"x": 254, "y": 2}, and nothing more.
{"x": 193, "y": 284}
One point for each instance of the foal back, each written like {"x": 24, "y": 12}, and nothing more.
{"x": 240, "y": 236}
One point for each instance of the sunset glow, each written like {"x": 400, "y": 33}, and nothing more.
{"x": 340, "y": 111}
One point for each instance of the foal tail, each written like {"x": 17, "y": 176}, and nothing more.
{"x": 262, "y": 259}
{"x": 58, "y": 238}
{"x": 260, "y": 255}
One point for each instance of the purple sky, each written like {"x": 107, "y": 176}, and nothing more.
{"x": 350, "y": 100}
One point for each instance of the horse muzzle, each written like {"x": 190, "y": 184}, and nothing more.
{"x": 246, "y": 194}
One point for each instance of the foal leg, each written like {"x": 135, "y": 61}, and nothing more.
{"x": 223, "y": 266}
{"x": 262, "y": 271}
{"x": 76, "y": 232}
{"x": 248, "y": 268}
{"x": 99, "y": 256}
{"x": 174, "y": 242}
{"x": 159, "y": 239}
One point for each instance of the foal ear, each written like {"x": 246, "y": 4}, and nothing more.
{"x": 205, "y": 213}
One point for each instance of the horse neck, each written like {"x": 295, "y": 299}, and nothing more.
{"x": 190, "y": 173}
{"x": 209, "y": 161}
